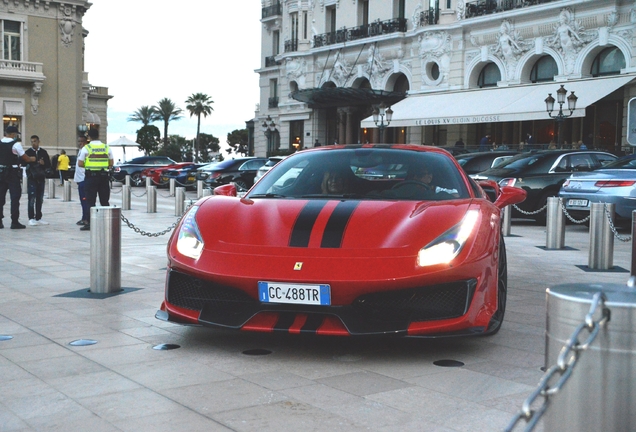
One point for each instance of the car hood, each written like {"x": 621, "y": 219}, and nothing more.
{"x": 227, "y": 223}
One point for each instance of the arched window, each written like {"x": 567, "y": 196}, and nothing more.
{"x": 401, "y": 84}
{"x": 610, "y": 61}
{"x": 489, "y": 76}
{"x": 544, "y": 70}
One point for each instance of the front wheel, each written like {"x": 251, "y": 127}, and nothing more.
{"x": 502, "y": 291}
{"x": 135, "y": 179}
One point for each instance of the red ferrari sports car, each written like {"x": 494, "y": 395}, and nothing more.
{"x": 155, "y": 173}
{"x": 346, "y": 240}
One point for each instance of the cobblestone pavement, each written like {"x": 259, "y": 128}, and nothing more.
{"x": 211, "y": 382}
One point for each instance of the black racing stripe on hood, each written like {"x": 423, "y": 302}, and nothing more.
{"x": 305, "y": 223}
{"x": 334, "y": 231}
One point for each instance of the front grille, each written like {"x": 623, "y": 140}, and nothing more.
{"x": 192, "y": 293}
{"x": 418, "y": 304}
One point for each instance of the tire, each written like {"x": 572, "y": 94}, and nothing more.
{"x": 135, "y": 179}
{"x": 240, "y": 184}
{"x": 502, "y": 291}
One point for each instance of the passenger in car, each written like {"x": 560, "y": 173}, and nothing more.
{"x": 424, "y": 177}
{"x": 333, "y": 182}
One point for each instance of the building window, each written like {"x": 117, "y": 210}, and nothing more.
{"x": 273, "y": 93}
{"x": 296, "y": 132}
{"x": 275, "y": 42}
{"x": 12, "y": 46}
{"x": 305, "y": 25}
{"x": 489, "y": 76}
{"x": 398, "y": 9}
{"x": 363, "y": 12}
{"x": 331, "y": 19}
{"x": 543, "y": 70}
{"x": 610, "y": 61}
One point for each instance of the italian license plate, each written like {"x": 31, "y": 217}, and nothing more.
{"x": 191, "y": 178}
{"x": 577, "y": 203}
{"x": 276, "y": 292}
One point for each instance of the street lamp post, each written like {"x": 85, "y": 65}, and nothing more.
{"x": 560, "y": 117}
{"x": 379, "y": 112}
{"x": 269, "y": 127}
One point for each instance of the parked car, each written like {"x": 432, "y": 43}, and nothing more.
{"x": 541, "y": 173}
{"x": 155, "y": 173}
{"x": 615, "y": 183}
{"x": 240, "y": 171}
{"x": 477, "y": 162}
{"x": 184, "y": 176}
{"x": 297, "y": 254}
{"x": 273, "y": 160}
{"x": 135, "y": 166}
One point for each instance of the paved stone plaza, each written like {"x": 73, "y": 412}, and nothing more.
{"x": 211, "y": 382}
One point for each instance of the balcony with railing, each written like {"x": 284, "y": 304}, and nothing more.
{"x": 375, "y": 28}
{"x": 14, "y": 70}
{"x": 429, "y": 17}
{"x": 272, "y": 11}
{"x": 487, "y": 7}
{"x": 271, "y": 61}
{"x": 272, "y": 102}
{"x": 291, "y": 45}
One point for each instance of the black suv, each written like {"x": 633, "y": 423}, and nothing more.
{"x": 135, "y": 166}
{"x": 541, "y": 173}
{"x": 240, "y": 171}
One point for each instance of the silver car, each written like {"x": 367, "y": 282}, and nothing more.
{"x": 273, "y": 160}
{"x": 614, "y": 183}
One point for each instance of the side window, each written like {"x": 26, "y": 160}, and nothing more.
{"x": 581, "y": 162}
{"x": 563, "y": 165}
{"x": 603, "y": 159}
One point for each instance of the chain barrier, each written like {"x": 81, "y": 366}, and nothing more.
{"x": 613, "y": 228}
{"x": 567, "y": 360}
{"x": 139, "y": 196}
{"x": 569, "y": 216}
{"x": 530, "y": 213}
{"x": 160, "y": 233}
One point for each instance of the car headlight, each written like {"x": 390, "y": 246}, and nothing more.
{"x": 446, "y": 247}
{"x": 189, "y": 240}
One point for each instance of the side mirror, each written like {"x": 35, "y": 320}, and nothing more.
{"x": 225, "y": 190}
{"x": 491, "y": 188}
{"x": 510, "y": 195}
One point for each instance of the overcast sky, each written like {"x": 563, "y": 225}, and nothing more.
{"x": 144, "y": 51}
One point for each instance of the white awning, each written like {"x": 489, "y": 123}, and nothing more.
{"x": 515, "y": 103}
{"x": 15, "y": 108}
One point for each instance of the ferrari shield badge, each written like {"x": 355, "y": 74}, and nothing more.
{"x": 298, "y": 266}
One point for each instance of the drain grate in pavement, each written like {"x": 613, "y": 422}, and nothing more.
{"x": 87, "y": 294}
{"x": 448, "y": 363}
{"x": 615, "y": 269}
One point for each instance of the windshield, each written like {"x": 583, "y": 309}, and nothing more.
{"x": 521, "y": 160}
{"x": 363, "y": 173}
{"x": 627, "y": 163}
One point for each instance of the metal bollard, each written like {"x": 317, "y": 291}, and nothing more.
{"x": 601, "y": 255}
{"x": 105, "y": 250}
{"x": 51, "y": 188}
{"x": 506, "y": 221}
{"x": 125, "y": 197}
{"x": 151, "y": 199}
{"x": 555, "y": 224}
{"x": 173, "y": 184}
{"x": 24, "y": 184}
{"x": 207, "y": 192}
{"x": 67, "y": 191}
{"x": 148, "y": 182}
{"x": 600, "y": 394}
{"x": 179, "y": 201}
{"x": 633, "y": 268}
{"x": 127, "y": 183}
{"x": 199, "y": 188}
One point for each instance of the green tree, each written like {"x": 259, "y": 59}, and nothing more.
{"x": 238, "y": 141}
{"x": 167, "y": 111}
{"x": 209, "y": 147}
{"x": 145, "y": 115}
{"x": 148, "y": 139}
{"x": 199, "y": 104}
{"x": 174, "y": 149}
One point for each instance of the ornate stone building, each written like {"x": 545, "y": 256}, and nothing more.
{"x": 448, "y": 69}
{"x": 44, "y": 89}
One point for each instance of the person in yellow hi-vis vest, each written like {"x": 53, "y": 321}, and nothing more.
{"x": 96, "y": 158}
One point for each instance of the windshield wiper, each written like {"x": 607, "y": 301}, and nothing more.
{"x": 268, "y": 195}
{"x": 334, "y": 196}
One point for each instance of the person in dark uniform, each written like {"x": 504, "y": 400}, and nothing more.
{"x": 11, "y": 154}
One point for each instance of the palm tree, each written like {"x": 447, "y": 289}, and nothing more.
{"x": 167, "y": 111}
{"x": 199, "y": 104}
{"x": 144, "y": 114}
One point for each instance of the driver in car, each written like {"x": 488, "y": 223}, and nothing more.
{"x": 422, "y": 177}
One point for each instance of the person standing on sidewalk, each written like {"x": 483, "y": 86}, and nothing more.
{"x": 62, "y": 166}
{"x": 96, "y": 158}
{"x": 36, "y": 179}
{"x": 79, "y": 178}
{"x": 11, "y": 153}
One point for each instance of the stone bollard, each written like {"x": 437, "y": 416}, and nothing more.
{"x": 125, "y": 197}
{"x": 179, "y": 201}
{"x": 555, "y": 224}
{"x": 67, "y": 191}
{"x": 105, "y": 250}
{"x": 51, "y": 188}
{"x": 151, "y": 199}
{"x": 601, "y": 256}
